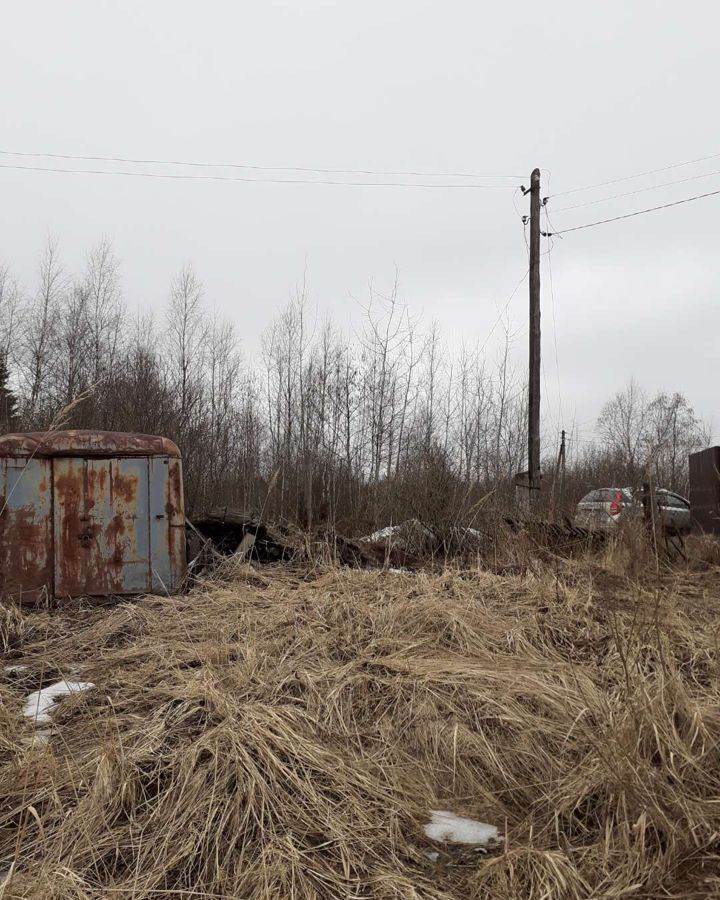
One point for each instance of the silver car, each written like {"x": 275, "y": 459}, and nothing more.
{"x": 606, "y": 508}
{"x": 674, "y": 511}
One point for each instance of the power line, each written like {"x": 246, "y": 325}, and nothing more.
{"x": 552, "y": 300}
{"x": 203, "y": 165}
{"x": 652, "y": 187}
{"x": 679, "y": 165}
{"x": 550, "y": 414}
{"x": 172, "y": 176}
{"x": 523, "y": 219}
{"x": 638, "y": 212}
{"x": 504, "y": 310}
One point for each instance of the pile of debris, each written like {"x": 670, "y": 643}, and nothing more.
{"x": 229, "y": 532}
{"x": 411, "y": 544}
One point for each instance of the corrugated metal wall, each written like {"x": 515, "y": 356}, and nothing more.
{"x": 73, "y": 526}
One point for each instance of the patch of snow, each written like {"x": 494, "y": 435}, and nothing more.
{"x": 15, "y": 670}
{"x": 397, "y": 571}
{"x": 38, "y": 704}
{"x": 409, "y": 535}
{"x": 434, "y": 856}
{"x": 446, "y": 826}
{"x": 381, "y": 535}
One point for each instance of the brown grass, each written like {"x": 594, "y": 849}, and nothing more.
{"x": 12, "y": 627}
{"x": 284, "y": 735}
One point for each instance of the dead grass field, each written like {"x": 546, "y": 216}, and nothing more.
{"x": 284, "y": 734}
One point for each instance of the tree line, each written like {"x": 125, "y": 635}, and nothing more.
{"x": 332, "y": 429}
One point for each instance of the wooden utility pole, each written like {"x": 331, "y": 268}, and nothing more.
{"x": 561, "y": 469}
{"x": 527, "y": 484}
{"x": 534, "y": 383}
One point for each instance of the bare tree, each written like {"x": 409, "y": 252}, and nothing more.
{"x": 71, "y": 363}
{"x": 103, "y": 307}
{"x": 40, "y": 327}
{"x": 10, "y": 311}
{"x": 186, "y": 332}
{"x": 673, "y": 431}
{"x": 622, "y": 427}
{"x": 222, "y": 377}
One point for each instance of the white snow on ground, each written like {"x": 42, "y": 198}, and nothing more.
{"x": 38, "y": 704}
{"x": 15, "y": 670}
{"x": 446, "y": 826}
{"x": 381, "y": 535}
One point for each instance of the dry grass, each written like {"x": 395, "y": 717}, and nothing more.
{"x": 284, "y": 735}
{"x": 12, "y": 627}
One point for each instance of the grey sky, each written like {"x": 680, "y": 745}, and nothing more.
{"x": 588, "y": 92}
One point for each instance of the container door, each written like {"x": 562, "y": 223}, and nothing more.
{"x": 167, "y": 525}
{"x": 102, "y": 535}
{"x": 26, "y": 528}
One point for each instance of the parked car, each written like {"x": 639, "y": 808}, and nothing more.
{"x": 605, "y": 509}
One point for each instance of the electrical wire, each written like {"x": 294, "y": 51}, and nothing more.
{"x": 171, "y": 176}
{"x": 652, "y": 187}
{"x": 174, "y": 162}
{"x": 552, "y": 306}
{"x": 679, "y": 165}
{"x": 552, "y": 296}
{"x": 550, "y": 413}
{"x": 504, "y": 310}
{"x": 523, "y": 219}
{"x": 638, "y": 212}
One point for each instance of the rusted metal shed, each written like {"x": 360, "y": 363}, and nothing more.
{"x": 90, "y": 513}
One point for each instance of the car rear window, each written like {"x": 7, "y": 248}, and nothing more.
{"x": 670, "y": 500}
{"x": 606, "y": 495}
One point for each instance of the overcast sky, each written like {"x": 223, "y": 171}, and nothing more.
{"x": 588, "y": 92}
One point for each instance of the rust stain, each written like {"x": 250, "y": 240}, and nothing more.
{"x": 86, "y": 443}
{"x": 174, "y": 514}
{"x": 70, "y": 547}
{"x": 25, "y": 531}
{"x": 174, "y": 493}
{"x": 115, "y": 528}
{"x": 94, "y": 531}
{"x": 125, "y": 487}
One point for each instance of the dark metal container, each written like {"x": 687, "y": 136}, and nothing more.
{"x": 705, "y": 490}
{"x": 90, "y": 513}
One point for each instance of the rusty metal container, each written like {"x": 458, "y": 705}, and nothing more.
{"x": 90, "y": 513}
{"x": 705, "y": 490}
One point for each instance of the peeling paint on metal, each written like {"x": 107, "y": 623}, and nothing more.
{"x": 25, "y": 528}
{"x": 85, "y": 443}
{"x": 167, "y": 524}
{"x": 96, "y": 523}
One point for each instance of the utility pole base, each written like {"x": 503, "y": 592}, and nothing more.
{"x": 527, "y": 493}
